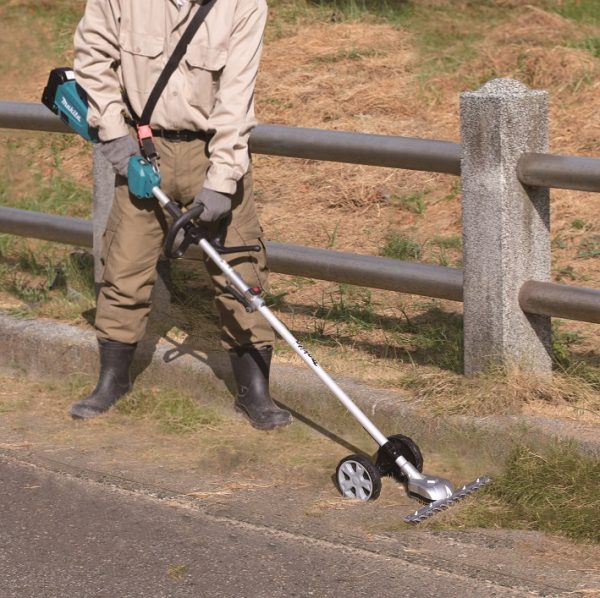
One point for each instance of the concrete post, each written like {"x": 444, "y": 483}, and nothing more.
{"x": 103, "y": 192}
{"x": 506, "y": 227}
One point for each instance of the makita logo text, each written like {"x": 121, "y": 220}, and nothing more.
{"x": 70, "y": 108}
{"x": 307, "y": 353}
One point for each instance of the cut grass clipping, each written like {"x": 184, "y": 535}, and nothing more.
{"x": 554, "y": 489}
{"x": 174, "y": 412}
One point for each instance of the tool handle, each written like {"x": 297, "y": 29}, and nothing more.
{"x": 193, "y": 232}
{"x": 217, "y": 242}
{"x": 182, "y": 221}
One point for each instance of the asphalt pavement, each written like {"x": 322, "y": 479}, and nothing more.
{"x": 61, "y": 536}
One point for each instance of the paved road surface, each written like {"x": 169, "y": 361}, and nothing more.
{"x": 62, "y": 536}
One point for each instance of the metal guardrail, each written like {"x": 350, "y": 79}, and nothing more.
{"x": 558, "y": 172}
{"x": 278, "y": 140}
{"x": 357, "y": 148}
{"x": 541, "y": 298}
{"x": 47, "y": 227}
{"x": 30, "y": 117}
{"x": 296, "y": 260}
{"x": 560, "y": 301}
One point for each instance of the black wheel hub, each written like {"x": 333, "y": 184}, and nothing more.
{"x": 398, "y": 445}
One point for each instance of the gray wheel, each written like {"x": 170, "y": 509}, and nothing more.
{"x": 358, "y": 477}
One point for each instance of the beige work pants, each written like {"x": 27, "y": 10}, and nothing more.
{"x": 133, "y": 241}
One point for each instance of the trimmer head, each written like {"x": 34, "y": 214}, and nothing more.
{"x": 401, "y": 458}
{"x": 429, "y": 488}
{"x": 443, "y": 503}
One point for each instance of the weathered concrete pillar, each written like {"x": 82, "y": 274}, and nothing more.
{"x": 103, "y": 192}
{"x": 506, "y": 227}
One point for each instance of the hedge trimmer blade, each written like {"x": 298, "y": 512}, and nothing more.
{"x": 439, "y": 505}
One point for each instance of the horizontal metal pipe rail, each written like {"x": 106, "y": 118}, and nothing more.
{"x": 276, "y": 140}
{"x": 560, "y": 301}
{"x": 543, "y": 298}
{"x": 30, "y": 117}
{"x": 545, "y": 170}
{"x": 357, "y": 148}
{"x": 559, "y": 172}
{"x": 368, "y": 271}
{"x": 47, "y": 227}
{"x": 364, "y": 270}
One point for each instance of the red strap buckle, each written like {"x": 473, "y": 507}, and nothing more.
{"x": 146, "y": 141}
{"x": 144, "y": 132}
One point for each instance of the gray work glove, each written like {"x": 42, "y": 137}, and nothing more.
{"x": 118, "y": 151}
{"x": 216, "y": 205}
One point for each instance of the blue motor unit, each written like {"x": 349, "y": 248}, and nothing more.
{"x": 65, "y": 97}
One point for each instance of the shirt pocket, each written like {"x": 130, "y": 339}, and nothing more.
{"x": 204, "y": 64}
{"x": 141, "y": 60}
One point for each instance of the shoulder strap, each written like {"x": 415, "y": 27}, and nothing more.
{"x": 174, "y": 60}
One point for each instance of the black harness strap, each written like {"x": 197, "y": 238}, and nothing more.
{"x": 143, "y": 123}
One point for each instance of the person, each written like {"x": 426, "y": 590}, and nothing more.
{"x": 201, "y": 125}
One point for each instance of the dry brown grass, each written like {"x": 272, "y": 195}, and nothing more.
{"x": 537, "y": 27}
{"x": 505, "y": 391}
{"x": 345, "y": 76}
{"x": 332, "y": 73}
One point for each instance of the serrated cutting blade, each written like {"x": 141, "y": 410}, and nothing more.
{"x": 440, "y": 505}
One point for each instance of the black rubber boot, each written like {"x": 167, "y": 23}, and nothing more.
{"x": 251, "y": 368}
{"x": 113, "y": 382}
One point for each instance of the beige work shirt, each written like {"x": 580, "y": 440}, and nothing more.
{"x": 125, "y": 44}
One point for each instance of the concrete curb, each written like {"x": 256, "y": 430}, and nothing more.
{"x": 53, "y": 350}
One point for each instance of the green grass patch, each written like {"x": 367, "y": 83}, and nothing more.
{"x": 286, "y": 16}
{"x": 275, "y": 300}
{"x": 445, "y": 40}
{"x": 434, "y": 338}
{"x": 592, "y": 45}
{"x": 393, "y": 11}
{"x": 558, "y": 242}
{"x": 58, "y": 194}
{"x": 174, "y": 411}
{"x": 442, "y": 245}
{"x": 413, "y": 202}
{"x": 61, "y": 16}
{"x": 401, "y": 247}
{"x": 6, "y": 244}
{"x": 350, "y": 305}
{"x": 589, "y": 247}
{"x": 566, "y": 272}
{"x": 553, "y": 489}
{"x": 582, "y": 11}
{"x": 566, "y": 359}
{"x": 347, "y": 54}
{"x": 579, "y": 224}
{"x": 48, "y": 278}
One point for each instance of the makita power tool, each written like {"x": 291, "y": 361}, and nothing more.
{"x": 66, "y": 98}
